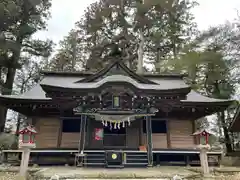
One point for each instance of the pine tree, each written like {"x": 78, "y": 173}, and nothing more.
{"x": 16, "y": 39}
{"x": 140, "y": 28}
{"x": 212, "y": 64}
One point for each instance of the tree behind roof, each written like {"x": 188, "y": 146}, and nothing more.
{"x": 212, "y": 62}
{"x": 165, "y": 25}
{"x": 23, "y": 19}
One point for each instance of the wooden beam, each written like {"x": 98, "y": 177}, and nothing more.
{"x": 149, "y": 140}
{"x": 168, "y": 134}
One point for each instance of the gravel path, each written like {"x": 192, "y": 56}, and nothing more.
{"x": 78, "y": 173}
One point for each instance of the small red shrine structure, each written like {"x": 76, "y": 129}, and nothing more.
{"x": 202, "y": 136}
{"x": 27, "y": 138}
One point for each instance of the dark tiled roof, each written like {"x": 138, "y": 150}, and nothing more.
{"x": 160, "y": 85}
{"x": 37, "y": 93}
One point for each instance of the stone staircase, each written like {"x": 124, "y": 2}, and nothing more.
{"x": 136, "y": 159}
{"x": 130, "y": 159}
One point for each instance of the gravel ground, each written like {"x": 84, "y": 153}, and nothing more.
{"x": 158, "y": 173}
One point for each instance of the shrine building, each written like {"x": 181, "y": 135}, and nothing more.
{"x": 135, "y": 119}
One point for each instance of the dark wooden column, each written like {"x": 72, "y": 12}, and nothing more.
{"x": 61, "y": 118}
{"x": 141, "y": 133}
{"x": 82, "y": 132}
{"x": 168, "y": 134}
{"x": 60, "y": 132}
{"x": 34, "y": 121}
{"x": 149, "y": 140}
{"x": 195, "y": 140}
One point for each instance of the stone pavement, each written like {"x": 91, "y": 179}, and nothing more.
{"x": 112, "y": 179}
{"x": 126, "y": 173}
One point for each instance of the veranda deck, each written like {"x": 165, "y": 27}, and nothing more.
{"x": 133, "y": 157}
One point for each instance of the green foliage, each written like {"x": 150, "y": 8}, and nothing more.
{"x": 70, "y": 56}
{"x": 211, "y": 70}
{"x": 19, "y": 21}
{"x": 105, "y": 23}
{"x": 16, "y": 38}
{"x": 212, "y": 61}
{"x": 7, "y": 140}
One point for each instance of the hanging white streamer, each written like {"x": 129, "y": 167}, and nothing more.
{"x": 118, "y": 125}
{"x": 123, "y": 124}
{"x": 106, "y": 123}
{"x": 129, "y": 122}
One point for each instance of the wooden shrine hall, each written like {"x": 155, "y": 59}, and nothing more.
{"x": 114, "y": 117}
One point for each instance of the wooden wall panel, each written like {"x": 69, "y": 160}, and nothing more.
{"x": 132, "y": 132}
{"x": 159, "y": 140}
{"x": 180, "y": 134}
{"x": 48, "y": 131}
{"x": 70, "y": 140}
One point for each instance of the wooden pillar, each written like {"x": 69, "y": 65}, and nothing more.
{"x": 59, "y": 140}
{"x": 187, "y": 158}
{"x": 82, "y": 132}
{"x": 168, "y": 134}
{"x": 149, "y": 140}
{"x": 88, "y": 133}
{"x": 195, "y": 140}
{"x": 34, "y": 121}
{"x": 30, "y": 120}
{"x": 141, "y": 133}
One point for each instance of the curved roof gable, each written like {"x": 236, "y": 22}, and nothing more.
{"x": 117, "y": 67}
{"x": 118, "y": 78}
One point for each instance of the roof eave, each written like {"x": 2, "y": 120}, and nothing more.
{"x": 219, "y": 103}
{"x": 49, "y": 88}
{"x": 69, "y": 74}
{"x": 19, "y": 100}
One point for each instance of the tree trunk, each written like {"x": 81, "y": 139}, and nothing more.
{"x": 74, "y": 51}
{"x": 157, "y": 66}
{"x": 140, "y": 53}
{"x": 8, "y": 86}
{"x": 227, "y": 138}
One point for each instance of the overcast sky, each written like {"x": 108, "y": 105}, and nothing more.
{"x": 66, "y": 13}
